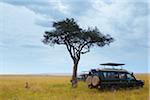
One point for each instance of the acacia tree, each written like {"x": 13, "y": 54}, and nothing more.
{"x": 77, "y": 40}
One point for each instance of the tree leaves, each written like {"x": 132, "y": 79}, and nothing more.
{"x": 77, "y": 40}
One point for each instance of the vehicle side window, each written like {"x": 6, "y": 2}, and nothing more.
{"x": 105, "y": 74}
{"x": 110, "y": 75}
{"x": 122, "y": 75}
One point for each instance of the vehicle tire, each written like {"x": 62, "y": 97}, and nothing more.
{"x": 95, "y": 80}
{"x": 89, "y": 80}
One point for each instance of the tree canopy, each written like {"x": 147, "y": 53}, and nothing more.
{"x": 77, "y": 40}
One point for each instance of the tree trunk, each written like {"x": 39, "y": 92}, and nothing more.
{"x": 74, "y": 76}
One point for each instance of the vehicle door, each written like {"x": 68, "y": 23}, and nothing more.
{"x": 123, "y": 79}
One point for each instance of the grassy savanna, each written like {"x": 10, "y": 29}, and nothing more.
{"x": 59, "y": 88}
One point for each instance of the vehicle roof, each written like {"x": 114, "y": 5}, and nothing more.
{"x": 112, "y": 64}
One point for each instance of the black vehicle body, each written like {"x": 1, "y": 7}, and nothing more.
{"x": 82, "y": 77}
{"x": 113, "y": 78}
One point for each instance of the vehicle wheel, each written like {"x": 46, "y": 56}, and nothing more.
{"x": 95, "y": 80}
{"x": 89, "y": 80}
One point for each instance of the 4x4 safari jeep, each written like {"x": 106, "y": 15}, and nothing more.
{"x": 112, "y": 78}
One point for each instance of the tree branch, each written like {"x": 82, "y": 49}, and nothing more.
{"x": 69, "y": 50}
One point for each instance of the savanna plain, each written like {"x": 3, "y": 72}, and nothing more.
{"x": 12, "y": 87}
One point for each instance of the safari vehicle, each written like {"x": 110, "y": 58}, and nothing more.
{"x": 112, "y": 78}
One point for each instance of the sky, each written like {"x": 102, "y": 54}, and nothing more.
{"x": 23, "y": 23}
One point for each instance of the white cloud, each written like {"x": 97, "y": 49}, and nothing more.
{"x": 60, "y": 6}
{"x": 126, "y": 21}
{"x": 55, "y": 9}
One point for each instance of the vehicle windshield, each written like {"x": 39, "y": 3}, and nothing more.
{"x": 126, "y": 76}
{"x": 129, "y": 76}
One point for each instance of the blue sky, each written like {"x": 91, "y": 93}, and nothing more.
{"x": 23, "y": 22}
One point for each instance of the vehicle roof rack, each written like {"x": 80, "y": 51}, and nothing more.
{"x": 112, "y": 64}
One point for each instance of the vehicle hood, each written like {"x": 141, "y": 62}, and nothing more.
{"x": 140, "y": 81}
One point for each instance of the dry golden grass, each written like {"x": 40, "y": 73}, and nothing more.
{"x": 59, "y": 88}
